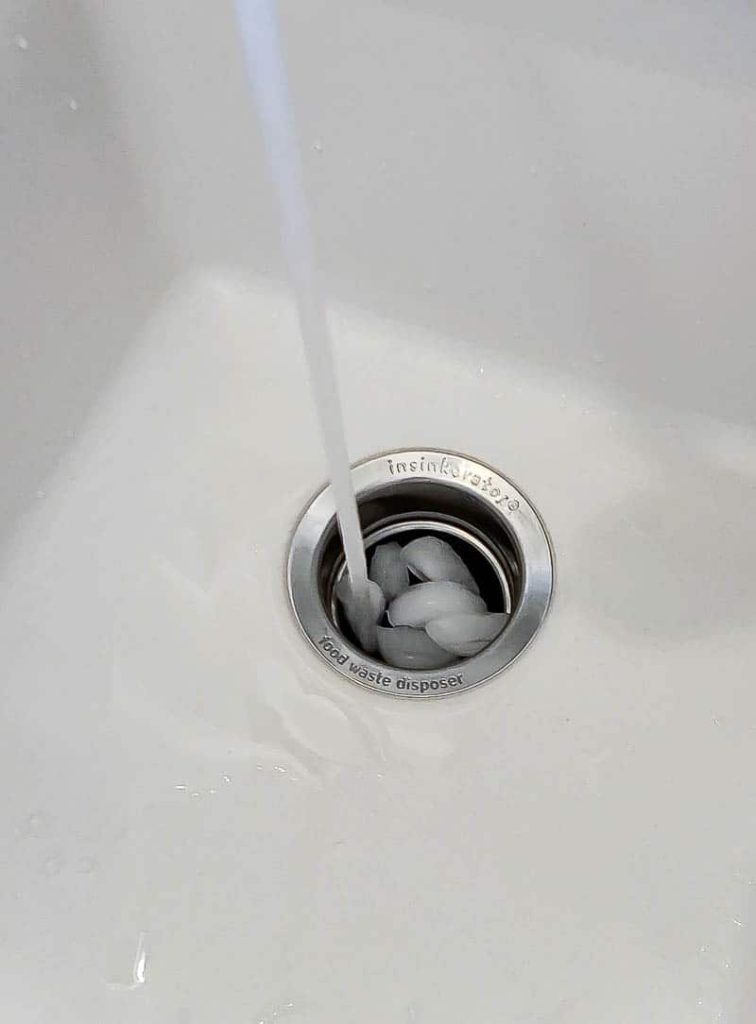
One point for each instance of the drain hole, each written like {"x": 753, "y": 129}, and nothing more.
{"x": 483, "y": 518}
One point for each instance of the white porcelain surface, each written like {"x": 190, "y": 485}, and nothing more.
{"x": 538, "y": 227}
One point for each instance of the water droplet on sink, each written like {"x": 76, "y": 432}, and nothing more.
{"x": 140, "y": 960}
{"x": 21, "y": 42}
{"x": 73, "y": 104}
{"x": 317, "y": 146}
{"x": 129, "y": 970}
{"x": 281, "y": 1011}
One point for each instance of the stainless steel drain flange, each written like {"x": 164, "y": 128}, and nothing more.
{"x": 403, "y": 494}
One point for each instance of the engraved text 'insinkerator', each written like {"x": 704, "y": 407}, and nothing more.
{"x": 452, "y": 469}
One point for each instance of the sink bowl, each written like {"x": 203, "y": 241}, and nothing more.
{"x": 537, "y": 233}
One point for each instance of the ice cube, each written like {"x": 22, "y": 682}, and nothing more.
{"x": 389, "y": 570}
{"x": 404, "y": 647}
{"x": 466, "y": 633}
{"x": 431, "y": 558}
{"x": 426, "y": 601}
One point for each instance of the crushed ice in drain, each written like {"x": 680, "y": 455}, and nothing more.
{"x": 439, "y": 619}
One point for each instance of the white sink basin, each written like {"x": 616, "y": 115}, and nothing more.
{"x": 539, "y": 239}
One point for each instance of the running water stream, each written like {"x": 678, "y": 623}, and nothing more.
{"x": 442, "y": 605}
{"x": 266, "y": 70}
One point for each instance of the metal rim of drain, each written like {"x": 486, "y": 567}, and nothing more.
{"x": 426, "y": 490}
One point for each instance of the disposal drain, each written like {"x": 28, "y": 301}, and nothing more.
{"x": 404, "y": 495}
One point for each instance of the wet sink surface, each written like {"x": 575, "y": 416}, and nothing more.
{"x": 203, "y": 823}
{"x": 251, "y": 831}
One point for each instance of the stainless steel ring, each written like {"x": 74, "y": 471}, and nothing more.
{"x": 437, "y": 491}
